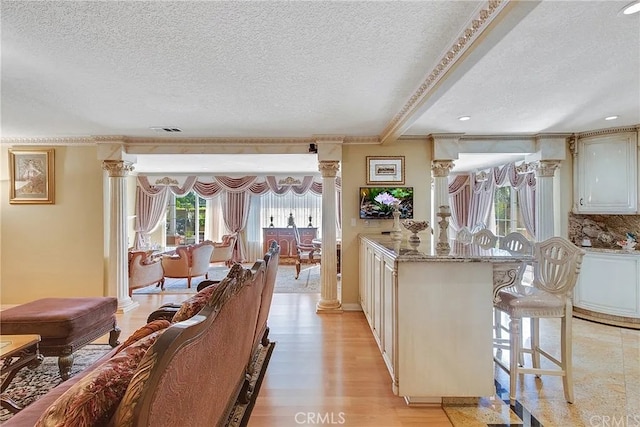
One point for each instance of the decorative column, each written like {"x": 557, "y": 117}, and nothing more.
{"x": 118, "y": 268}
{"x": 440, "y": 171}
{"x": 544, "y": 170}
{"x": 329, "y": 302}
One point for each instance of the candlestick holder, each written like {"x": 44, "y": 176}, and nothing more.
{"x": 396, "y": 231}
{"x": 443, "y": 224}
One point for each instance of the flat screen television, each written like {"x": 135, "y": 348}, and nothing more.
{"x": 371, "y": 209}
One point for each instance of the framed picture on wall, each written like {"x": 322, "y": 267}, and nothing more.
{"x": 31, "y": 176}
{"x": 385, "y": 170}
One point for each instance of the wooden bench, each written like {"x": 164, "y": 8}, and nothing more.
{"x": 64, "y": 325}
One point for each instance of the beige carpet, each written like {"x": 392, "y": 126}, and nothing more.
{"x": 308, "y": 282}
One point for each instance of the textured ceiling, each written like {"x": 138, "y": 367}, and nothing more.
{"x": 297, "y": 69}
{"x": 244, "y": 69}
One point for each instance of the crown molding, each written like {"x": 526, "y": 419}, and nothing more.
{"x": 53, "y": 141}
{"x": 598, "y": 132}
{"x": 462, "y": 44}
{"x": 359, "y": 140}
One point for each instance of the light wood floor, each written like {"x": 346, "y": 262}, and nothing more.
{"x": 325, "y": 369}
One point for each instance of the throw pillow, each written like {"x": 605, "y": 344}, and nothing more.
{"x": 193, "y": 305}
{"x": 92, "y": 401}
{"x": 142, "y": 332}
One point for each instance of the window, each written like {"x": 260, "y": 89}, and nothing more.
{"x": 306, "y": 209}
{"x": 507, "y": 212}
{"x": 187, "y": 222}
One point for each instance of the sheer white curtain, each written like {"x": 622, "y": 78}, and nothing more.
{"x": 214, "y": 227}
{"x": 254, "y": 230}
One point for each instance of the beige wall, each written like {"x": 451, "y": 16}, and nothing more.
{"x": 55, "y": 250}
{"x": 417, "y": 175}
{"x": 58, "y": 250}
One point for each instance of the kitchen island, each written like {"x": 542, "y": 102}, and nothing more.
{"x": 431, "y": 314}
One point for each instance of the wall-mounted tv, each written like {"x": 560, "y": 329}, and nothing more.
{"x": 371, "y": 209}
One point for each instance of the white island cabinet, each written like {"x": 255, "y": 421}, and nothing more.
{"x": 608, "y": 288}
{"x": 431, "y": 316}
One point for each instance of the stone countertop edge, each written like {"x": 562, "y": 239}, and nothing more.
{"x": 386, "y": 244}
{"x": 611, "y": 251}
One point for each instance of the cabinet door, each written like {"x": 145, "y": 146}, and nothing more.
{"x": 377, "y": 297}
{"x": 609, "y": 284}
{"x": 607, "y": 177}
{"x": 389, "y": 295}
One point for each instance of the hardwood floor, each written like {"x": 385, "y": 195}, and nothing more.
{"x": 325, "y": 369}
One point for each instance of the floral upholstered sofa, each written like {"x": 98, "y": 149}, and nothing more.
{"x": 188, "y": 371}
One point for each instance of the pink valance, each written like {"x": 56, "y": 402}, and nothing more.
{"x": 251, "y": 184}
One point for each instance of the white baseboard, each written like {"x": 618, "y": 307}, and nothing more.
{"x": 352, "y": 306}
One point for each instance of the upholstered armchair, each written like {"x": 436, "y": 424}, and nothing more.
{"x": 144, "y": 270}
{"x": 223, "y": 251}
{"x": 188, "y": 261}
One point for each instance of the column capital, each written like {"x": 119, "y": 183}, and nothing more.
{"x": 441, "y": 168}
{"x": 117, "y": 168}
{"x": 546, "y": 168}
{"x": 329, "y": 168}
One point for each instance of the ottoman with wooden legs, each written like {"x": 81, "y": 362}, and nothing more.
{"x": 64, "y": 325}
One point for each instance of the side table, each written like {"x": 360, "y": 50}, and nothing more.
{"x": 16, "y": 352}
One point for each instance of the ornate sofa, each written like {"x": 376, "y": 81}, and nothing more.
{"x": 144, "y": 270}
{"x": 188, "y": 261}
{"x": 137, "y": 383}
{"x": 223, "y": 251}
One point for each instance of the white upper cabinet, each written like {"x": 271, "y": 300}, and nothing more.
{"x": 606, "y": 178}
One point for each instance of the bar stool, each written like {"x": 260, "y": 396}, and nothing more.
{"x": 555, "y": 272}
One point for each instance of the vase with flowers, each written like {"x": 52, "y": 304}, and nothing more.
{"x": 393, "y": 203}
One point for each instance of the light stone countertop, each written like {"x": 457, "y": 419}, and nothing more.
{"x": 403, "y": 251}
{"x": 611, "y": 251}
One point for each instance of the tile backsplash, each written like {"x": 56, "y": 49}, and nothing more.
{"x": 603, "y": 230}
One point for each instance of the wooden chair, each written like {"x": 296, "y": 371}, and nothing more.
{"x": 517, "y": 243}
{"x": 485, "y": 239}
{"x": 555, "y": 272}
{"x": 305, "y": 252}
{"x": 464, "y": 235}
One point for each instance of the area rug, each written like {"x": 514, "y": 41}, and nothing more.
{"x": 28, "y": 385}
{"x": 239, "y": 416}
{"x": 308, "y": 282}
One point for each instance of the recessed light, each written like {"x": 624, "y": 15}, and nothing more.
{"x": 611, "y": 118}
{"x": 464, "y": 118}
{"x": 631, "y": 8}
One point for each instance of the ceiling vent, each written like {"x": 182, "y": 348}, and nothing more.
{"x": 165, "y": 129}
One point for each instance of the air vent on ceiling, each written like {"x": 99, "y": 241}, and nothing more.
{"x": 165, "y": 129}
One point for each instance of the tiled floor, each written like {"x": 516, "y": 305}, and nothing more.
{"x": 606, "y": 363}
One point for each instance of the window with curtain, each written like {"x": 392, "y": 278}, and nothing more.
{"x": 508, "y": 216}
{"x": 189, "y": 217}
{"x": 305, "y": 209}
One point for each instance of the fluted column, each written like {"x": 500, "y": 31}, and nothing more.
{"x": 544, "y": 169}
{"x": 440, "y": 171}
{"x": 118, "y": 269}
{"x": 329, "y": 302}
